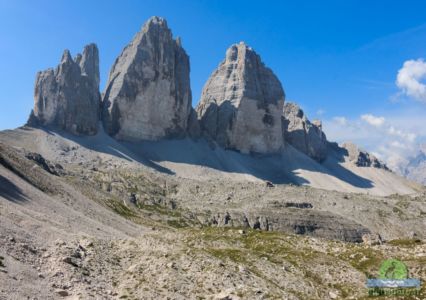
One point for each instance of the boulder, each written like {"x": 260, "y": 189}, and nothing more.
{"x": 302, "y": 134}
{"x": 241, "y": 104}
{"x": 148, "y": 94}
{"x": 372, "y": 239}
{"x": 68, "y": 97}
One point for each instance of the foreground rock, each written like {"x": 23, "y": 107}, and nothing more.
{"x": 148, "y": 95}
{"x": 68, "y": 97}
{"x": 302, "y": 134}
{"x": 241, "y": 104}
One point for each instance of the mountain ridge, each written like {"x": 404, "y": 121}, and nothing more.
{"x": 148, "y": 97}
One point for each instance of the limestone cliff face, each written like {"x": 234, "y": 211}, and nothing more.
{"x": 148, "y": 94}
{"x": 302, "y": 134}
{"x": 241, "y": 104}
{"x": 68, "y": 97}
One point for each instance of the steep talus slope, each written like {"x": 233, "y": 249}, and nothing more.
{"x": 197, "y": 160}
{"x": 184, "y": 163}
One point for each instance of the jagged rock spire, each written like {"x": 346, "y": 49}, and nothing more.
{"x": 68, "y": 97}
{"x": 148, "y": 94}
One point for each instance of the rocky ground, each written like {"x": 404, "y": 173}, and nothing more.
{"x": 89, "y": 225}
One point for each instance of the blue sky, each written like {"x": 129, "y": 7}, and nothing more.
{"x": 338, "y": 59}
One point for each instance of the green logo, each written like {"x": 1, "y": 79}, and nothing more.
{"x": 393, "y": 269}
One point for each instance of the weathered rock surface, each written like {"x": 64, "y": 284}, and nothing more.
{"x": 54, "y": 169}
{"x": 148, "y": 95}
{"x": 194, "y": 129}
{"x": 362, "y": 158}
{"x": 68, "y": 97}
{"x": 302, "y": 134}
{"x": 241, "y": 104}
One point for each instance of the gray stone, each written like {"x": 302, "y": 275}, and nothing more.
{"x": 241, "y": 104}
{"x": 372, "y": 239}
{"x": 68, "y": 97}
{"x": 148, "y": 94}
{"x": 63, "y": 293}
{"x": 194, "y": 129}
{"x": 302, "y": 134}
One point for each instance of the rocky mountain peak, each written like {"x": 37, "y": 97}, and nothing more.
{"x": 66, "y": 57}
{"x": 68, "y": 97}
{"x": 236, "y": 52}
{"x": 89, "y": 62}
{"x": 241, "y": 103}
{"x": 153, "y": 22}
{"x": 148, "y": 95}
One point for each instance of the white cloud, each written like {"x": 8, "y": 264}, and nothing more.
{"x": 409, "y": 79}
{"x": 397, "y": 144}
{"x": 373, "y": 120}
{"x": 408, "y": 136}
{"x": 396, "y": 161}
{"x": 341, "y": 121}
{"x": 320, "y": 112}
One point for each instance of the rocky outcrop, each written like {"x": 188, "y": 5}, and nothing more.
{"x": 302, "y": 134}
{"x": 68, "y": 97}
{"x": 148, "y": 95}
{"x": 315, "y": 223}
{"x": 52, "y": 168}
{"x": 241, "y": 104}
{"x": 361, "y": 158}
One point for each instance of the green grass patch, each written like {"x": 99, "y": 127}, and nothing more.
{"x": 405, "y": 242}
{"x": 177, "y": 223}
{"x": 120, "y": 208}
{"x": 365, "y": 260}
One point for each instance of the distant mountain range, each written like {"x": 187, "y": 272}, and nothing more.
{"x": 415, "y": 169}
